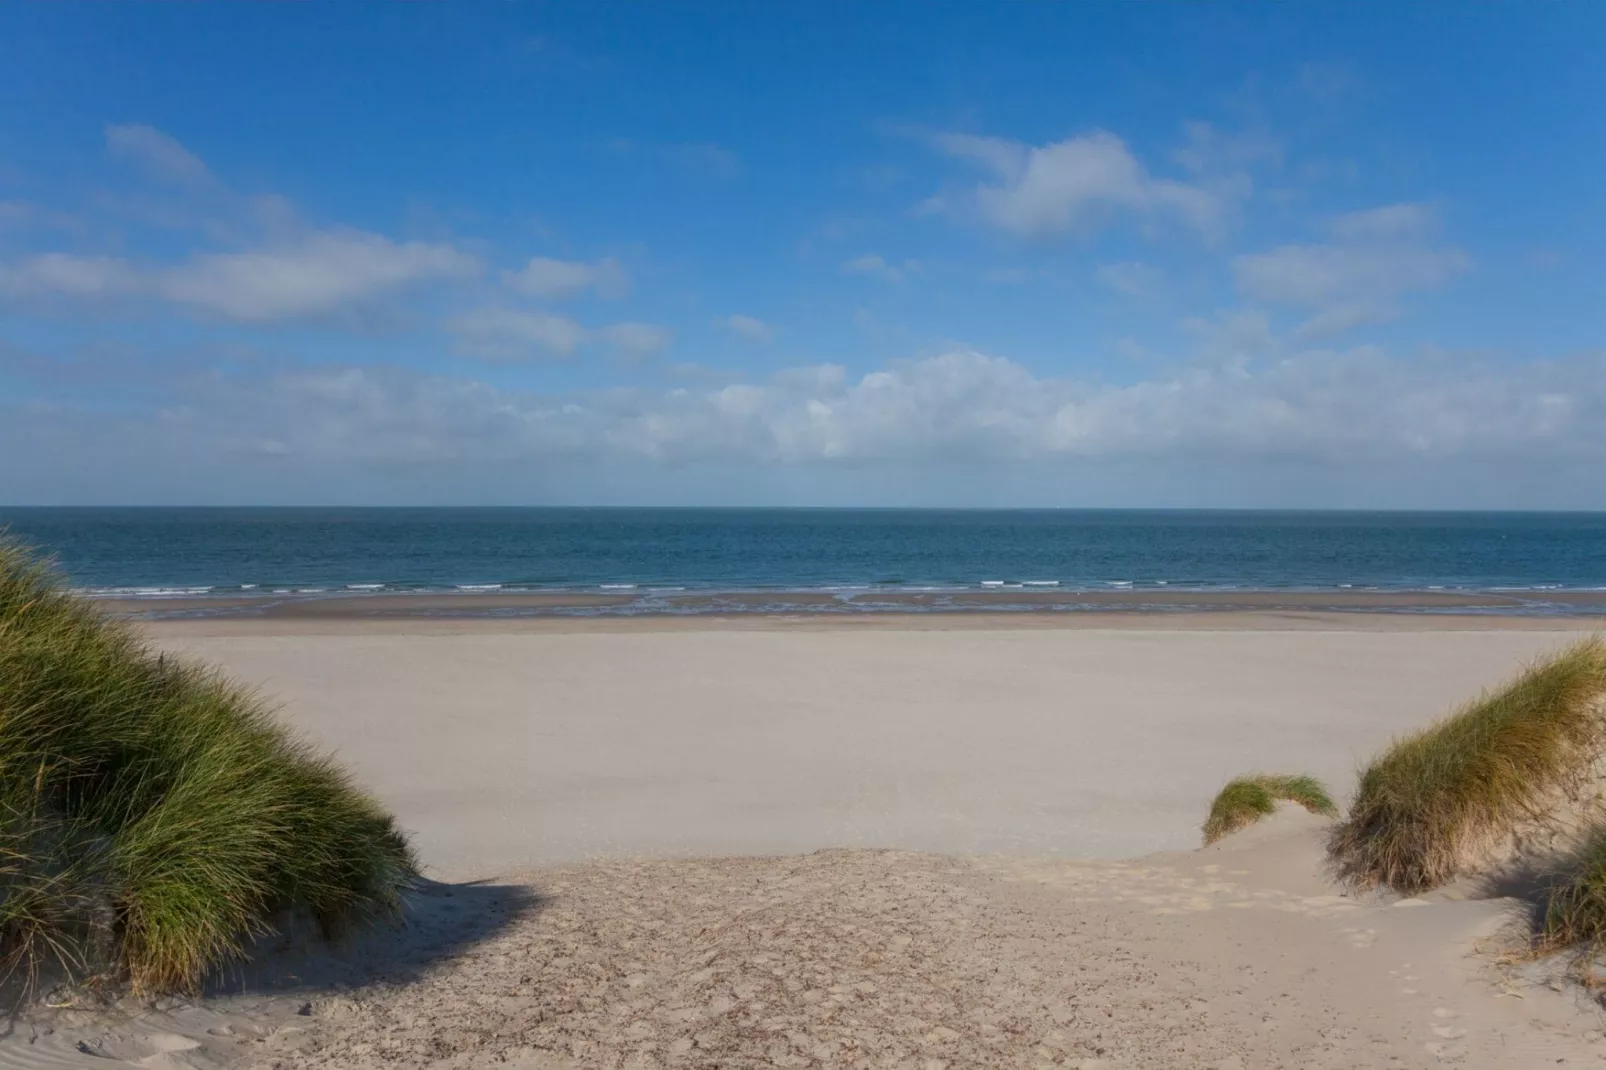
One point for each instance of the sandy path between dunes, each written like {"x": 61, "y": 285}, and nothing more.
{"x": 882, "y": 959}
{"x": 784, "y": 760}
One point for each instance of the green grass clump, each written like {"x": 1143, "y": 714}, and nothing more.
{"x": 1575, "y": 908}
{"x": 1436, "y": 802}
{"x": 1249, "y": 798}
{"x": 153, "y": 816}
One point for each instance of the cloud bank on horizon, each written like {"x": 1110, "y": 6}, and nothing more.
{"x": 572, "y": 261}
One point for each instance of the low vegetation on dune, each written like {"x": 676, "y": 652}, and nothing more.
{"x": 1247, "y": 799}
{"x": 1575, "y": 908}
{"x": 1514, "y": 775}
{"x": 154, "y": 818}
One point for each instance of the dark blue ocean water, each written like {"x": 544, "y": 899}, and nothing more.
{"x": 225, "y": 550}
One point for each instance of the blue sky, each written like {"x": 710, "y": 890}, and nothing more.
{"x": 962, "y": 254}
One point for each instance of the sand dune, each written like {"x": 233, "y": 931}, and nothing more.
{"x": 710, "y": 812}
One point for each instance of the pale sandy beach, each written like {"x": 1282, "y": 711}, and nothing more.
{"x": 500, "y": 749}
{"x": 871, "y": 844}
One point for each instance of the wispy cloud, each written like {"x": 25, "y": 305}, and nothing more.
{"x": 877, "y": 267}
{"x": 636, "y": 339}
{"x": 750, "y": 328}
{"x": 1038, "y": 191}
{"x": 287, "y": 271}
{"x": 547, "y": 278}
{"x": 1336, "y": 407}
{"x": 1130, "y": 278}
{"x": 512, "y": 335}
{"x": 157, "y": 154}
{"x": 1391, "y": 222}
{"x": 313, "y": 276}
{"x": 1380, "y": 257}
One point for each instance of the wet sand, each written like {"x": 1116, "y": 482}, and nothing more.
{"x": 1035, "y": 601}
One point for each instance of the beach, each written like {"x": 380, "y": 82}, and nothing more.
{"x": 908, "y": 840}
{"x": 502, "y": 744}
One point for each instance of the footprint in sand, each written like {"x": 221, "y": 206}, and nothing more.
{"x": 1360, "y": 938}
{"x": 1447, "y": 1031}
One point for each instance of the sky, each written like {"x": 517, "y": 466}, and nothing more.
{"x": 1317, "y": 255}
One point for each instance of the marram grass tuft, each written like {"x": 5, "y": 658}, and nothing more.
{"x": 153, "y": 816}
{"x": 1450, "y": 799}
{"x": 1575, "y": 908}
{"x": 1247, "y": 799}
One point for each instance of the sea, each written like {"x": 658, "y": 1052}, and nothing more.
{"x": 1539, "y": 561}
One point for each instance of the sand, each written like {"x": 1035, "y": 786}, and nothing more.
{"x": 505, "y": 749}
{"x": 678, "y": 842}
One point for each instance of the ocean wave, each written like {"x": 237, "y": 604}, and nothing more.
{"x": 143, "y": 592}
{"x": 616, "y": 586}
{"x": 1042, "y": 583}
{"x": 365, "y": 586}
{"x": 479, "y": 587}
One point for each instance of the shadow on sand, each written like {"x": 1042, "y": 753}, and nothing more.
{"x": 441, "y": 921}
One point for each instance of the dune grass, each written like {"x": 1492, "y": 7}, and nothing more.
{"x": 1426, "y": 809}
{"x": 1575, "y": 907}
{"x": 1247, "y": 799}
{"x": 154, "y": 817}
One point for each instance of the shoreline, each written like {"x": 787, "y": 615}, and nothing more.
{"x": 1153, "y": 605}
{"x": 978, "y": 622}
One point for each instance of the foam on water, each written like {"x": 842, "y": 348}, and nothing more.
{"x": 760, "y": 554}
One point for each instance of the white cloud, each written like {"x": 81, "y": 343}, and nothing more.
{"x": 157, "y": 154}
{"x": 1319, "y": 404}
{"x": 1318, "y": 276}
{"x": 1208, "y": 151}
{"x": 635, "y": 339}
{"x": 1407, "y": 220}
{"x": 877, "y": 267}
{"x": 63, "y": 274}
{"x": 1356, "y": 422}
{"x": 510, "y": 334}
{"x": 1130, "y": 278}
{"x": 1233, "y": 338}
{"x": 1045, "y": 190}
{"x": 750, "y": 328}
{"x": 505, "y": 335}
{"x": 547, "y": 278}
{"x": 1380, "y": 255}
{"x": 313, "y": 276}
{"x": 293, "y": 272}
{"x": 22, "y": 215}
{"x": 316, "y": 275}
